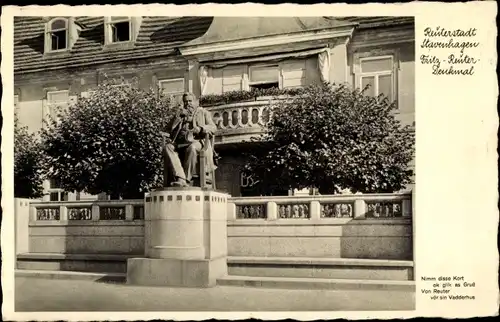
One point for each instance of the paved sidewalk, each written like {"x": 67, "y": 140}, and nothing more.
{"x": 38, "y": 294}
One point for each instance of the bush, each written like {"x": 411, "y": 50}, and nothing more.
{"x": 109, "y": 142}
{"x": 333, "y": 138}
{"x": 28, "y": 177}
{"x": 240, "y": 96}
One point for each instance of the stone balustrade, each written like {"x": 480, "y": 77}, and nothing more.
{"x": 321, "y": 207}
{"x": 243, "y": 116}
{"x": 87, "y": 210}
{"x": 375, "y": 226}
{"x": 263, "y": 208}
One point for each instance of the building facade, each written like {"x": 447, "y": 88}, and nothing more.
{"x": 58, "y": 58}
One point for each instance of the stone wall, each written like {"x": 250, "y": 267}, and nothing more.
{"x": 86, "y": 227}
{"x": 366, "y": 239}
{"x": 372, "y": 226}
{"x": 87, "y": 238}
{"x": 21, "y": 222}
{"x": 344, "y": 226}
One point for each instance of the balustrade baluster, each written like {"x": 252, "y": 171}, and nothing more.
{"x": 244, "y": 122}
{"x": 235, "y": 118}
{"x": 254, "y": 117}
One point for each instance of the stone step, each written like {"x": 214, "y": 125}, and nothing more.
{"x": 97, "y": 263}
{"x": 329, "y": 268}
{"x": 247, "y": 281}
{"x": 72, "y": 275}
{"x": 316, "y": 283}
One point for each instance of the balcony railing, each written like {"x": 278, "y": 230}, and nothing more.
{"x": 242, "y": 120}
{"x": 322, "y": 207}
{"x": 243, "y": 117}
{"x": 88, "y": 210}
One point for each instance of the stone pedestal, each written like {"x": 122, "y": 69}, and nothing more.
{"x": 185, "y": 239}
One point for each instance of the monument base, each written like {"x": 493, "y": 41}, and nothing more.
{"x": 185, "y": 231}
{"x": 175, "y": 272}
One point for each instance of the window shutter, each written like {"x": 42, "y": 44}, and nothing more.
{"x": 136, "y": 25}
{"x": 232, "y": 78}
{"x": 72, "y": 32}
{"x": 47, "y": 37}
{"x": 294, "y": 74}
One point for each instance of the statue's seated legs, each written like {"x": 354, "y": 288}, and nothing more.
{"x": 191, "y": 160}
{"x": 173, "y": 171}
{"x": 188, "y": 173}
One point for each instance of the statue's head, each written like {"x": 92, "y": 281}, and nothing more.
{"x": 188, "y": 100}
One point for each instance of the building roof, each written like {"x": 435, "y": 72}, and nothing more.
{"x": 237, "y": 28}
{"x": 225, "y": 29}
{"x": 160, "y": 36}
{"x": 378, "y": 21}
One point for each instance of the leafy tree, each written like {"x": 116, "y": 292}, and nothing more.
{"x": 27, "y": 163}
{"x": 109, "y": 142}
{"x": 333, "y": 138}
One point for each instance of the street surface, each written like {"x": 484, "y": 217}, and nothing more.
{"x": 39, "y": 294}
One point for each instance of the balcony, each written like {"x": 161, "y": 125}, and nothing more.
{"x": 240, "y": 121}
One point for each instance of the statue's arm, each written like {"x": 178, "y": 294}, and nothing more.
{"x": 171, "y": 126}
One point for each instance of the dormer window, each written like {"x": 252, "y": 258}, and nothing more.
{"x": 57, "y": 35}
{"x": 61, "y": 33}
{"x": 119, "y": 29}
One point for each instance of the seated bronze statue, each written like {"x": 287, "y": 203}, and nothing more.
{"x": 189, "y": 137}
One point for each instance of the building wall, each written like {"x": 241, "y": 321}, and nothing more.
{"x": 228, "y": 174}
{"x": 32, "y": 88}
{"x": 404, "y": 74}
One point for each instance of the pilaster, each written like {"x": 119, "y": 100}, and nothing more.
{"x": 193, "y": 78}
{"x": 339, "y": 69}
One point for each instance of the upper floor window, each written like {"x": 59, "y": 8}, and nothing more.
{"x": 57, "y": 97}
{"x": 57, "y": 34}
{"x": 287, "y": 74}
{"x": 378, "y": 72}
{"x": 263, "y": 76}
{"x": 174, "y": 87}
{"x": 118, "y": 29}
{"x": 16, "y": 100}
{"x": 57, "y": 101}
